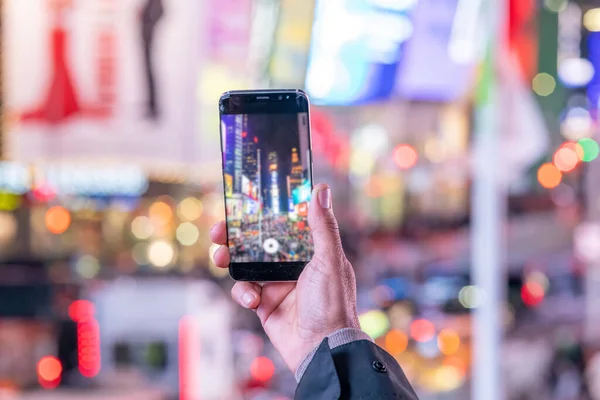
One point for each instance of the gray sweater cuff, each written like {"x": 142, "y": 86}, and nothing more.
{"x": 336, "y": 339}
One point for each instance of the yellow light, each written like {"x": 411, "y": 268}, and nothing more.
{"x": 543, "y": 84}
{"x": 190, "y": 209}
{"x": 448, "y": 378}
{"x": 160, "y": 212}
{"x": 448, "y": 342}
{"x": 187, "y": 234}
{"x": 591, "y": 20}
{"x": 9, "y": 201}
{"x": 142, "y": 228}
{"x": 161, "y": 253}
{"x": 375, "y": 323}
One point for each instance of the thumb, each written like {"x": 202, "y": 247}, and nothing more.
{"x": 324, "y": 226}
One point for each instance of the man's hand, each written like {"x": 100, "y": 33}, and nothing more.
{"x": 297, "y": 316}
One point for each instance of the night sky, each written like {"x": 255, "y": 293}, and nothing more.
{"x": 279, "y": 133}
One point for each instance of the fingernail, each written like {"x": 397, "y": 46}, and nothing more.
{"x": 248, "y": 298}
{"x": 324, "y": 197}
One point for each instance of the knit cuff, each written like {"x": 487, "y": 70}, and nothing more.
{"x": 336, "y": 339}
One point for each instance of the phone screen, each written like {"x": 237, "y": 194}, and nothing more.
{"x": 268, "y": 182}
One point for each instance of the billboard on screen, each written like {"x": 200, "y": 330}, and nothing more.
{"x": 100, "y": 79}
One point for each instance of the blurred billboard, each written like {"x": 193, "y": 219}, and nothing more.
{"x": 100, "y": 80}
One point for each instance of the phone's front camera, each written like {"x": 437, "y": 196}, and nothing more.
{"x": 280, "y": 97}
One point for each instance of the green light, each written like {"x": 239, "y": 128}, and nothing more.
{"x": 591, "y": 149}
{"x": 374, "y": 323}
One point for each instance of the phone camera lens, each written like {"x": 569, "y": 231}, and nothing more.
{"x": 287, "y": 97}
{"x": 280, "y": 97}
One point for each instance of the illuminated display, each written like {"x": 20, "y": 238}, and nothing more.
{"x": 429, "y": 71}
{"x": 65, "y": 180}
{"x": 356, "y": 49}
{"x": 302, "y": 193}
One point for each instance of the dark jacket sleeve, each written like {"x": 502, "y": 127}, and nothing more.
{"x": 357, "y": 370}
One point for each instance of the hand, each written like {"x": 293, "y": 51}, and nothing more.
{"x": 297, "y": 316}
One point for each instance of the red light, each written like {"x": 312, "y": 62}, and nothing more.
{"x": 262, "y": 369}
{"x": 88, "y": 346}
{"x": 189, "y": 354}
{"x": 255, "y": 139}
{"x": 81, "y": 310}
{"x": 422, "y": 330}
{"x": 405, "y": 156}
{"x": 49, "y": 370}
{"x": 532, "y": 294}
{"x": 244, "y": 134}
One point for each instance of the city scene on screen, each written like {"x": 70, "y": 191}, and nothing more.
{"x": 267, "y": 186}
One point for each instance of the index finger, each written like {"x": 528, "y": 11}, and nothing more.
{"x": 218, "y": 233}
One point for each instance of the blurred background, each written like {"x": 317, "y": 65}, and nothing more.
{"x": 459, "y": 137}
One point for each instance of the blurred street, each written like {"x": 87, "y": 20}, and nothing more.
{"x": 460, "y": 140}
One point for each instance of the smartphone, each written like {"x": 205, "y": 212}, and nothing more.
{"x": 267, "y": 180}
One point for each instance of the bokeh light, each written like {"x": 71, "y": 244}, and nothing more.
{"x": 87, "y": 266}
{"x": 549, "y": 176}
{"x": 57, "y": 219}
{"x": 49, "y": 370}
{"x": 587, "y": 237}
{"x": 161, "y": 253}
{"x": 396, "y": 342}
{"x": 81, "y": 310}
{"x": 190, "y": 209}
{"x": 374, "y": 323}
{"x": 539, "y": 278}
{"x": 532, "y": 293}
{"x": 405, "y": 156}
{"x": 555, "y": 6}
{"x": 591, "y": 149}
{"x": 470, "y": 297}
{"x": 422, "y": 330}
{"x": 160, "y": 212}
{"x": 448, "y": 342}
{"x": 577, "y": 124}
{"x": 187, "y": 234}
{"x": 575, "y": 72}
{"x": 566, "y": 159}
{"x": 262, "y": 369}
{"x": 591, "y": 20}
{"x": 142, "y": 228}
{"x": 543, "y": 84}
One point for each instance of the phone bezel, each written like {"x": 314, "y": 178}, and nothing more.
{"x": 266, "y": 102}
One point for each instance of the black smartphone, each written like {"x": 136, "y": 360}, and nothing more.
{"x": 267, "y": 179}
